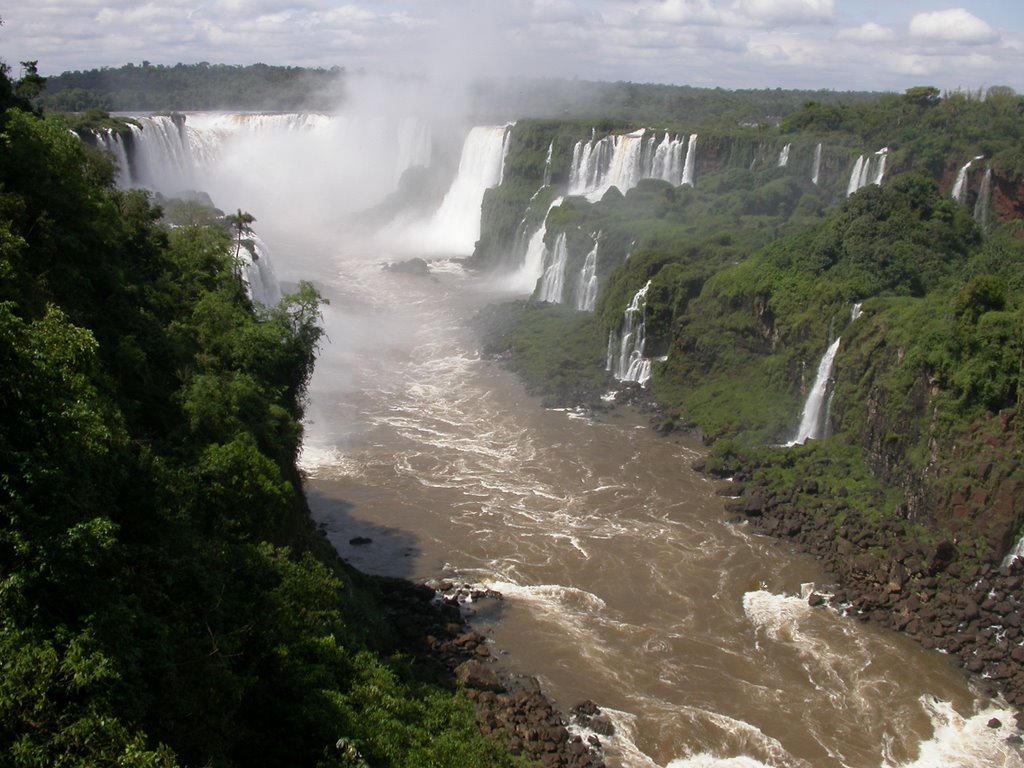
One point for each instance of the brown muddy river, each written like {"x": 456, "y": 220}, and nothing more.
{"x": 623, "y": 581}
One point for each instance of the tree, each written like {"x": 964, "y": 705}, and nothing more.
{"x": 239, "y": 223}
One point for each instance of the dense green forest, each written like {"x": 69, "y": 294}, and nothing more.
{"x": 163, "y": 600}
{"x": 755, "y": 271}
{"x": 156, "y": 87}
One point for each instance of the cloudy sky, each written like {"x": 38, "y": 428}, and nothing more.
{"x": 838, "y": 44}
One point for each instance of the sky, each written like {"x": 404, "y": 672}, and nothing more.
{"x": 872, "y": 45}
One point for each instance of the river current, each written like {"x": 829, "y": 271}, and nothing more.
{"x": 623, "y": 580}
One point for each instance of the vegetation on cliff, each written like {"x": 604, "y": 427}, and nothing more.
{"x": 163, "y": 600}
{"x": 755, "y": 271}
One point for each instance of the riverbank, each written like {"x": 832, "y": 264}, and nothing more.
{"x": 972, "y": 612}
{"x": 511, "y": 709}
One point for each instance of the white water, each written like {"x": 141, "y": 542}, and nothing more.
{"x": 552, "y": 282}
{"x": 867, "y": 170}
{"x": 455, "y": 227}
{"x": 812, "y": 419}
{"x": 524, "y": 279}
{"x": 959, "y": 190}
{"x": 586, "y": 286}
{"x": 784, "y": 156}
{"x": 984, "y": 202}
{"x": 626, "y": 360}
{"x": 816, "y": 170}
{"x": 622, "y": 160}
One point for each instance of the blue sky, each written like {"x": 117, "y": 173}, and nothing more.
{"x": 837, "y": 44}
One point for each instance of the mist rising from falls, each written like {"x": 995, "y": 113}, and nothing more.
{"x": 625, "y": 360}
{"x": 622, "y": 160}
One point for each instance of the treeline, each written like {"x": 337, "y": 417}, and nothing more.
{"x": 157, "y": 87}
{"x": 163, "y": 600}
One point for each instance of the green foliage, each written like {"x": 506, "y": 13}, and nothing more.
{"x": 163, "y": 600}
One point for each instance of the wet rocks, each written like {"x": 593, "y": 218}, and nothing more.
{"x": 946, "y": 599}
{"x": 513, "y": 709}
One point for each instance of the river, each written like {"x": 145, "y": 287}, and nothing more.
{"x": 623, "y": 580}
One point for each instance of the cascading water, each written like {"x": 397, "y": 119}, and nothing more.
{"x": 532, "y": 269}
{"x": 621, "y": 161}
{"x": 784, "y": 156}
{"x": 959, "y": 190}
{"x": 552, "y": 282}
{"x": 814, "y": 417}
{"x": 546, "y": 182}
{"x": 867, "y": 170}
{"x": 816, "y": 169}
{"x": 626, "y": 361}
{"x": 160, "y": 156}
{"x": 586, "y": 286}
{"x": 455, "y": 227}
{"x": 258, "y": 272}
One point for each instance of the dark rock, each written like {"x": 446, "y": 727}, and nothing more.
{"x": 360, "y": 541}
{"x": 814, "y": 600}
{"x": 995, "y": 722}
{"x": 474, "y": 674}
{"x": 415, "y": 266}
{"x": 602, "y": 724}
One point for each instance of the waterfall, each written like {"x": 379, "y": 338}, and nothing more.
{"x": 689, "y": 166}
{"x": 258, "y": 272}
{"x": 867, "y": 170}
{"x": 552, "y": 281}
{"x": 1016, "y": 552}
{"x": 534, "y": 257}
{"x": 586, "y": 286}
{"x": 547, "y": 166}
{"x": 622, "y": 160}
{"x": 815, "y": 415}
{"x": 160, "y": 155}
{"x": 784, "y": 156}
{"x": 958, "y": 192}
{"x": 984, "y": 202}
{"x": 625, "y": 359}
{"x": 816, "y": 169}
{"x": 812, "y": 420}
{"x": 455, "y": 227}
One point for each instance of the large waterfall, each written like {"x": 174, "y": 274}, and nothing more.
{"x": 455, "y": 227}
{"x": 867, "y": 170}
{"x": 622, "y": 160}
{"x": 626, "y": 361}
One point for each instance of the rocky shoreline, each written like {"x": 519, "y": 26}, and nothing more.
{"x": 434, "y": 633}
{"x": 946, "y": 601}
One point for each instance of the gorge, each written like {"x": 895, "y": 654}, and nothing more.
{"x": 623, "y": 581}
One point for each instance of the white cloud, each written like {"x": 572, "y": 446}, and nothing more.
{"x": 868, "y": 33}
{"x": 788, "y": 11}
{"x": 956, "y": 25}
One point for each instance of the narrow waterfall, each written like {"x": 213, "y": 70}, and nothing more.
{"x": 552, "y": 282}
{"x": 867, "y": 170}
{"x": 1016, "y": 552}
{"x": 814, "y": 417}
{"x": 816, "y": 169}
{"x": 532, "y": 267}
{"x": 959, "y": 190}
{"x": 984, "y": 203}
{"x": 625, "y": 359}
{"x": 547, "y": 166}
{"x": 621, "y": 161}
{"x": 690, "y": 165}
{"x": 258, "y": 272}
{"x": 812, "y": 420}
{"x": 784, "y": 156}
{"x": 455, "y": 227}
{"x": 586, "y": 286}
